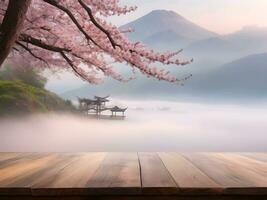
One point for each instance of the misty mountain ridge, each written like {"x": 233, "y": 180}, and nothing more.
{"x": 225, "y": 65}
{"x": 241, "y": 78}
{"x": 167, "y": 30}
{"x": 250, "y": 31}
{"x": 162, "y": 23}
{"x": 232, "y": 46}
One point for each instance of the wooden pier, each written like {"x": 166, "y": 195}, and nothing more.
{"x": 157, "y": 176}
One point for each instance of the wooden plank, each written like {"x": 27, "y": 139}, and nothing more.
{"x": 46, "y": 177}
{"x": 73, "y": 171}
{"x": 139, "y": 197}
{"x": 258, "y": 168}
{"x": 33, "y": 176}
{"x": 185, "y": 174}
{"x": 117, "y": 170}
{"x": 154, "y": 173}
{"x": 226, "y": 173}
{"x": 11, "y": 158}
{"x": 7, "y": 156}
{"x": 76, "y": 174}
{"x": 257, "y": 156}
{"x": 18, "y": 170}
{"x": 157, "y": 175}
{"x": 19, "y": 158}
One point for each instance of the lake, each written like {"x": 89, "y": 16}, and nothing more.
{"x": 149, "y": 126}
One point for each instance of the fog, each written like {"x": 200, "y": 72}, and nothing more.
{"x": 149, "y": 126}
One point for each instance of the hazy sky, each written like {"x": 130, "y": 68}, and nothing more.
{"x": 221, "y": 16}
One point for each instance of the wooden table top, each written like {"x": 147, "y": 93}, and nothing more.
{"x": 100, "y": 173}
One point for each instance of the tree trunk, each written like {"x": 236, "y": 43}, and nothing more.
{"x": 11, "y": 26}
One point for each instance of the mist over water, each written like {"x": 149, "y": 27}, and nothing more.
{"x": 149, "y": 126}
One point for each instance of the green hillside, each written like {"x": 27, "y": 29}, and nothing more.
{"x": 17, "y": 97}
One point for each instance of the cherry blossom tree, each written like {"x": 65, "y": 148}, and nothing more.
{"x": 76, "y": 34}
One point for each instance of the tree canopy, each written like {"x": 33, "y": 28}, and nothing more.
{"x": 76, "y": 34}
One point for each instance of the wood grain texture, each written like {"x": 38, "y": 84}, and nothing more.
{"x": 48, "y": 176}
{"x": 117, "y": 170}
{"x": 257, "y": 156}
{"x": 13, "y": 158}
{"x": 254, "y": 171}
{"x": 7, "y": 156}
{"x": 185, "y": 173}
{"x": 133, "y": 175}
{"x": 226, "y": 172}
{"x": 42, "y": 174}
{"x": 153, "y": 172}
{"x": 22, "y": 168}
{"x": 128, "y": 197}
{"x": 78, "y": 173}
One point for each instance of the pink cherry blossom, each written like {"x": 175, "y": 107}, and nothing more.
{"x": 76, "y": 35}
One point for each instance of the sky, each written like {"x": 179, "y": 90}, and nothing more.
{"x": 221, "y": 16}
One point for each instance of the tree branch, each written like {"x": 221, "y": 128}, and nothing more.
{"x": 30, "y": 51}
{"x": 90, "y": 14}
{"x": 72, "y": 65}
{"x": 71, "y": 16}
{"x": 41, "y": 44}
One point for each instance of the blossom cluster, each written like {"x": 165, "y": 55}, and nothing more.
{"x": 76, "y": 35}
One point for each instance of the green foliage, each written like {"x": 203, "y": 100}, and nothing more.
{"x": 17, "y": 97}
{"x": 28, "y": 75}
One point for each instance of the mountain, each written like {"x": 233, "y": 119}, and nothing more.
{"x": 224, "y": 65}
{"x": 247, "y": 41}
{"x": 167, "y": 40}
{"x": 166, "y": 30}
{"x": 245, "y": 76}
{"x": 250, "y": 39}
{"x": 159, "y": 24}
{"x": 248, "y": 33}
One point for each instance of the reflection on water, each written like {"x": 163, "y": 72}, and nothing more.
{"x": 149, "y": 126}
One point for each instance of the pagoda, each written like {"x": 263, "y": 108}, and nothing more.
{"x": 97, "y": 105}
